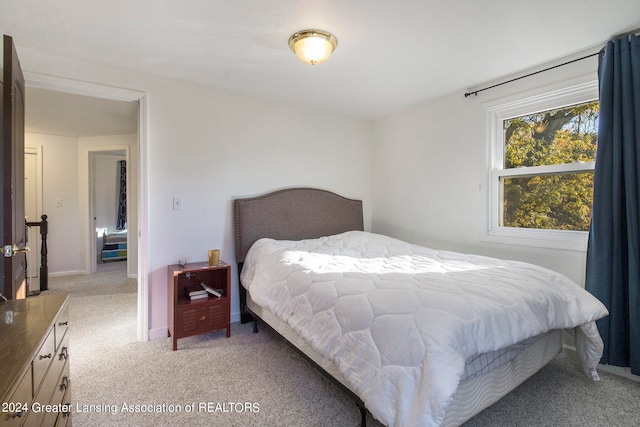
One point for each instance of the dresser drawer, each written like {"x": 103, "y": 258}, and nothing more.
{"x": 61, "y": 325}
{"x": 48, "y": 393}
{"x": 61, "y": 357}
{"x": 57, "y": 402}
{"x": 64, "y": 418}
{"x": 42, "y": 360}
{"x": 14, "y": 409}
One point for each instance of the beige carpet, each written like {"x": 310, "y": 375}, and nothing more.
{"x": 258, "y": 380}
{"x": 247, "y": 379}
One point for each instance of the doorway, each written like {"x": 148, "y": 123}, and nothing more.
{"x": 71, "y": 130}
{"x": 108, "y": 197}
{"x": 84, "y": 227}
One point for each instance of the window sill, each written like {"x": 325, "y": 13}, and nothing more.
{"x": 552, "y": 239}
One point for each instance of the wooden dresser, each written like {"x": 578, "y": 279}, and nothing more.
{"x": 34, "y": 361}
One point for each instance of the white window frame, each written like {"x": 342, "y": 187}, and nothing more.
{"x": 497, "y": 112}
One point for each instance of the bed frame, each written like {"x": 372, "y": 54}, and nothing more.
{"x": 308, "y": 213}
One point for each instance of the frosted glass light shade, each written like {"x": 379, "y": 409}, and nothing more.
{"x": 313, "y": 46}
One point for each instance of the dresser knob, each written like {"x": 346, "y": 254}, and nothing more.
{"x": 64, "y": 353}
{"x": 65, "y": 323}
{"x": 46, "y": 356}
{"x": 16, "y": 415}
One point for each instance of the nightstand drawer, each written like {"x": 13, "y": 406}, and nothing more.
{"x": 201, "y": 317}
{"x": 217, "y": 315}
{"x": 189, "y": 320}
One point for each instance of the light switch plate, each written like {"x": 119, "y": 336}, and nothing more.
{"x": 177, "y": 203}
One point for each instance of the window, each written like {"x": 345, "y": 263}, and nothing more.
{"x": 541, "y": 174}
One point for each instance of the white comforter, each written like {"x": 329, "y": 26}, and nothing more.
{"x": 399, "y": 320}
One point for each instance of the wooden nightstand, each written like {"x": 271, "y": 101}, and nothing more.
{"x": 188, "y": 316}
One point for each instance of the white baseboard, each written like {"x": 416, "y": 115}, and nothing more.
{"x": 570, "y": 351}
{"x": 235, "y": 317}
{"x": 617, "y": 370}
{"x": 68, "y": 273}
{"x": 158, "y": 333}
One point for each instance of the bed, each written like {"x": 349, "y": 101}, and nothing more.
{"x": 414, "y": 335}
{"x": 114, "y": 247}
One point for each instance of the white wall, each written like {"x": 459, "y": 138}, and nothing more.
{"x": 430, "y": 176}
{"x": 65, "y": 176}
{"x": 210, "y": 146}
{"x": 60, "y": 182}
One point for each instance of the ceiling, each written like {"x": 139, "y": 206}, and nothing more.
{"x": 65, "y": 114}
{"x": 390, "y": 55}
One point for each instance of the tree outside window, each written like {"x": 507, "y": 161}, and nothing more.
{"x": 547, "y": 173}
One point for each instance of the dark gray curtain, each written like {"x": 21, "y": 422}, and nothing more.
{"x": 613, "y": 255}
{"x": 121, "y": 220}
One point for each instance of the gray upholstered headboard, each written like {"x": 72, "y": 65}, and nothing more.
{"x": 293, "y": 214}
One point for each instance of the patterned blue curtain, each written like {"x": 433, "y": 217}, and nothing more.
{"x": 613, "y": 255}
{"x": 121, "y": 221}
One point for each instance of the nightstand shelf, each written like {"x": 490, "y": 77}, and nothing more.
{"x": 189, "y": 317}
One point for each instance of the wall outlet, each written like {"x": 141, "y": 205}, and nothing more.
{"x": 177, "y": 203}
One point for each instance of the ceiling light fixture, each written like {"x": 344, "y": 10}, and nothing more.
{"x": 313, "y": 46}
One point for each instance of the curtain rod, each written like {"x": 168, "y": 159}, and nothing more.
{"x": 475, "y": 92}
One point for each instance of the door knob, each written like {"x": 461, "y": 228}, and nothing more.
{"x": 12, "y": 250}
{"x": 16, "y": 249}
